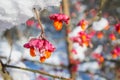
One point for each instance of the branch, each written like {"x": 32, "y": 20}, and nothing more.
{"x": 48, "y": 64}
{"x": 68, "y": 41}
{"x": 39, "y": 21}
{"x": 102, "y": 4}
{"x": 101, "y": 75}
{"x": 99, "y": 13}
{"x": 2, "y": 57}
{"x": 105, "y": 59}
{"x": 3, "y": 72}
{"x": 11, "y": 48}
{"x": 36, "y": 71}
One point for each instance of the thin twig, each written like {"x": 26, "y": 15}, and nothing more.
{"x": 3, "y": 57}
{"x": 48, "y": 64}
{"x": 96, "y": 73}
{"x": 37, "y": 14}
{"x": 99, "y": 13}
{"x": 11, "y": 48}
{"x": 37, "y": 71}
{"x": 4, "y": 72}
{"x": 2, "y": 66}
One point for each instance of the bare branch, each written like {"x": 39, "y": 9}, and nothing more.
{"x": 36, "y": 71}
{"x": 3, "y": 72}
{"x": 39, "y": 21}
{"x": 48, "y": 64}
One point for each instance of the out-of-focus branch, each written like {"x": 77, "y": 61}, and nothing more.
{"x": 102, "y": 4}
{"x": 11, "y": 36}
{"x": 48, "y": 64}
{"x": 11, "y": 48}
{"x": 68, "y": 41}
{"x": 37, "y": 71}
{"x": 105, "y": 59}
{"x": 8, "y": 35}
{"x": 3, "y": 72}
{"x": 99, "y": 74}
{"x": 99, "y": 12}
{"x": 2, "y": 57}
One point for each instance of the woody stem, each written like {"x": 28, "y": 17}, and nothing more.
{"x": 39, "y": 21}
{"x": 37, "y": 71}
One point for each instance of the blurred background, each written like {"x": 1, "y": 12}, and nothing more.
{"x": 98, "y": 60}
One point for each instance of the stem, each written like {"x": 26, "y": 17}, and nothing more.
{"x": 68, "y": 41}
{"x": 39, "y": 21}
{"x": 99, "y": 13}
{"x": 36, "y": 71}
{"x": 10, "y": 54}
{"x": 101, "y": 6}
{"x": 47, "y": 64}
{"x": 1, "y": 66}
{"x": 4, "y": 72}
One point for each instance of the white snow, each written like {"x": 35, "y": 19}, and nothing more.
{"x": 18, "y": 74}
{"x": 75, "y": 31}
{"x": 91, "y": 66}
{"x": 100, "y": 25}
{"x": 79, "y": 49}
{"x": 15, "y": 12}
{"x": 5, "y": 52}
{"x": 99, "y": 49}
